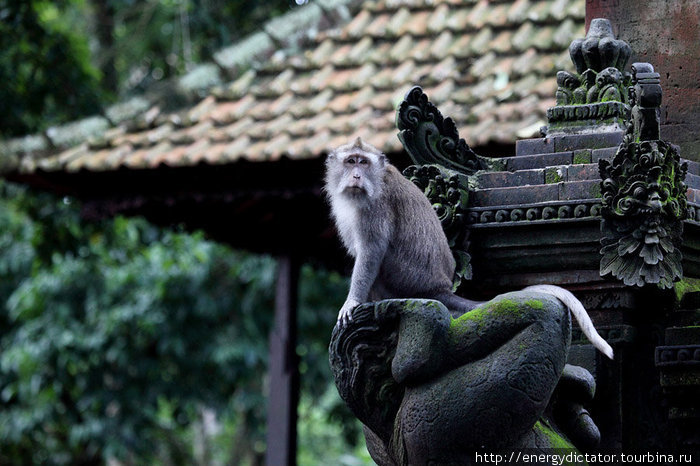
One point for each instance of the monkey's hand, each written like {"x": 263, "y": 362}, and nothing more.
{"x": 345, "y": 313}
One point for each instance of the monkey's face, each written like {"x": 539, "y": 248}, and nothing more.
{"x": 361, "y": 175}
{"x": 355, "y": 171}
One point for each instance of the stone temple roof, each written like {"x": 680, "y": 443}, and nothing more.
{"x": 325, "y": 73}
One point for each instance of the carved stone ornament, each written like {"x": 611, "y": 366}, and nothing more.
{"x": 429, "y": 138}
{"x": 595, "y": 97}
{"x": 643, "y": 197}
{"x": 448, "y": 192}
{"x": 433, "y": 389}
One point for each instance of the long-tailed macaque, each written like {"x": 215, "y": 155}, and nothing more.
{"x": 388, "y": 225}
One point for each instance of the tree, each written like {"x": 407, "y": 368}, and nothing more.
{"x": 44, "y": 66}
{"x": 117, "y": 338}
{"x": 52, "y": 74}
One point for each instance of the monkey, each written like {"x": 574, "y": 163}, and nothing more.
{"x": 389, "y": 227}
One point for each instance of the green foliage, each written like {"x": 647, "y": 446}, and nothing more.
{"x": 44, "y": 66}
{"x": 55, "y": 54}
{"x": 117, "y": 338}
{"x": 180, "y": 33}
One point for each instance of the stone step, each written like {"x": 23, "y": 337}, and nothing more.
{"x": 549, "y": 175}
{"x": 530, "y": 194}
{"x": 693, "y": 167}
{"x": 548, "y": 159}
{"x": 692, "y": 181}
{"x": 568, "y": 143}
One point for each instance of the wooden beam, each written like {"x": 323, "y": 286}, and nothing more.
{"x": 283, "y": 369}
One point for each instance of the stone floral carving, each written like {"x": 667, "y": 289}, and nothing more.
{"x": 429, "y": 138}
{"x": 643, "y": 196}
{"x": 448, "y": 192}
{"x": 433, "y": 389}
{"x": 443, "y": 161}
{"x": 552, "y": 211}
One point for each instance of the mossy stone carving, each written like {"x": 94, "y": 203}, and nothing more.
{"x": 433, "y": 389}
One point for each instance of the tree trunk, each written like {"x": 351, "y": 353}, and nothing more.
{"x": 104, "y": 20}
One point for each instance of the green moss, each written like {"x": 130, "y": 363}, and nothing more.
{"x": 477, "y": 318}
{"x": 555, "y": 440}
{"x": 535, "y": 304}
{"x": 582, "y": 156}
{"x": 687, "y": 285}
{"x": 595, "y": 190}
{"x": 503, "y": 307}
{"x": 552, "y": 175}
{"x": 473, "y": 319}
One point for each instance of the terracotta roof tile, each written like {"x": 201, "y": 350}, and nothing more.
{"x": 378, "y": 55}
{"x": 362, "y": 98}
{"x": 64, "y": 157}
{"x": 281, "y": 82}
{"x": 477, "y": 17}
{"x": 438, "y": 18}
{"x": 518, "y": 10}
{"x": 404, "y": 73}
{"x": 458, "y": 21}
{"x": 539, "y": 11}
{"x": 114, "y": 158}
{"x": 358, "y": 25}
{"x": 460, "y": 47}
{"x": 278, "y": 125}
{"x": 498, "y": 15}
{"x": 276, "y": 147}
{"x": 320, "y": 55}
{"x": 503, "y": 42}
{"x": 377, "y": 28}
{"x": 479, "y": 45}
{"x": 417, "y": 25}
{"x": 490, "y": 65}
{"x": 574, "y": 10}
{"x": 362, "y": 77}
{"x": 360, "y": 50}
{"x": 546, "y": 87}
{"x": 523, "y": 63}
{"x": 396, "y": 24}
{"x": 484, "y": 65}
{"x": 505, "y": 66}
{"x": 562, "y": 60}
{"x": 312, "y": 124}
{"x": 441, "y": 45}
{"x": 282, "y": 103}
{"x": 191, "y": 134}
{"x": 236, "y": 149}
{"x": 232, "y": 131}
{"x": 446, "y": 69}
{"x": 401, "y": 49}
{"x": 543, "y": 39}
{"x": 566, "y": 33}
{"x": 106, "y": 139}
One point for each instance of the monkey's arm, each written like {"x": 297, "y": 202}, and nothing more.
{"x": 364, "y": 273}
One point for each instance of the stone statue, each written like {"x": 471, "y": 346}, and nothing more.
{"x": 433, "y": 389}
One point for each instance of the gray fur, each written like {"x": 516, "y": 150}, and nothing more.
{"x": 391, "y": 230}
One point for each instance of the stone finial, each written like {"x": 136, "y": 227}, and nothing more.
{"x": 599, "y": 49}
{"x": 645, "y": 98}
{"x": 595, "y": 98}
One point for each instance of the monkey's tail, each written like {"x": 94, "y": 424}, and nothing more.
{"x": 580, "y": 314}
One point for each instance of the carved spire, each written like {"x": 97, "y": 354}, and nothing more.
{"x": 596, "y": 96}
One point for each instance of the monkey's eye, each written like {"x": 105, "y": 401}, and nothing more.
{"x": 350, "y": 160}
{"x": 363, "y": 161}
